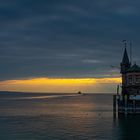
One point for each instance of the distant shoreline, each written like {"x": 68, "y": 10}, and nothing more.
{"x": 16, "y": 92}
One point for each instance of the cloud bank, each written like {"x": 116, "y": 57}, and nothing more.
{"x": 71, "y": 39}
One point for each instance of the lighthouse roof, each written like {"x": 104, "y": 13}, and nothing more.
{"x": 134, "y": 68}
{"x": 125, "y": 59}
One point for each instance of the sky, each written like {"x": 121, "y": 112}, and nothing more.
{"x": 65, "y": 41}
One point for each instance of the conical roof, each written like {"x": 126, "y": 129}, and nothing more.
{"x": 125, "y": 59}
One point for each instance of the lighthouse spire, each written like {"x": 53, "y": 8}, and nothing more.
{"x": 125, "y": 64}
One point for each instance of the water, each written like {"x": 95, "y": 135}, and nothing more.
{"x": 63, "y": 117}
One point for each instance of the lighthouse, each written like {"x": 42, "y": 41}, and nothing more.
{"x": 129, "y": 100}
{"x": 130, "y": 76}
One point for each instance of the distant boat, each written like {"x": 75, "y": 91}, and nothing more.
{"x": 79, "y": 92}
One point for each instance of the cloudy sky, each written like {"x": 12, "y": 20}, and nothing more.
{"x": 66, "y": 39}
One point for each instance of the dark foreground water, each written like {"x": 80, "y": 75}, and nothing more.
{"x": 62, "y": 117}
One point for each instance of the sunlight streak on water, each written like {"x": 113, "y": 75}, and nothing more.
{"x": 40, "y": 97}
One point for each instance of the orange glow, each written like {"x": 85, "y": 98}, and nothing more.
{"x": 57, "y": 84}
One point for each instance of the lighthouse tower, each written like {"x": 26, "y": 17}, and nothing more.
{"x": 125, "y": 65}
{"x": 130, "y": 76}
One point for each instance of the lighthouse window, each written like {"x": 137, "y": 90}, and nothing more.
{"x": 130, "y": 78}
{"x": 137, "y": 78}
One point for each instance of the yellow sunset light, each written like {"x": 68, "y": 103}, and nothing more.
{"x": 55, "y": 84}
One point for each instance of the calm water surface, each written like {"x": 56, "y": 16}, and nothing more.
{"x": 63, "y": 117}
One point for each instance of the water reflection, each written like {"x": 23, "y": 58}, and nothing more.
{"x": 129, "y": 127}
{"x": 85, "y": 117}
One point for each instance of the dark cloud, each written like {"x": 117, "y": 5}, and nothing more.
{"x": 65, "y": 38}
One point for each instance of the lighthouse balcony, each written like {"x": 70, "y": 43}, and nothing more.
{"x": 129, "y": 105}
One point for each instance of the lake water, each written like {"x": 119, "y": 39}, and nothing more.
{"x": 28, "y": 116}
